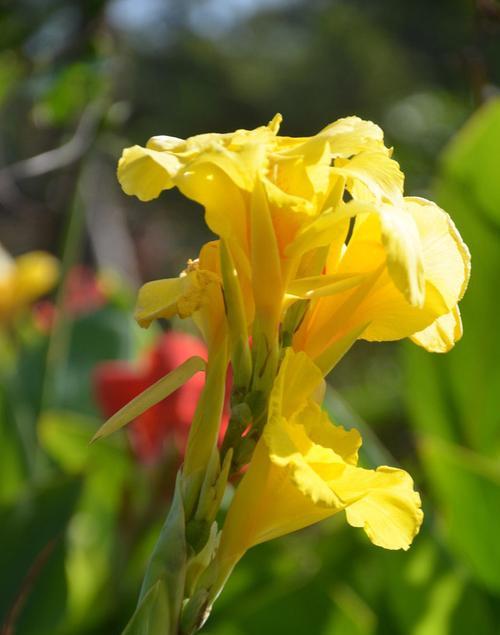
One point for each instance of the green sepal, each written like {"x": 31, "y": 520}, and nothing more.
{"x": 197, "y": 532}
{"x": 293, "y": 319}
{"x": 199, "y": 563}
{"x": 195, "y": 613}
{"x": 152, "y": 616}
{"x": 169, "y": 559}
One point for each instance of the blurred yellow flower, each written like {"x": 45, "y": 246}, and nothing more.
{"x": 304, "y": 470}
{"x": 23, "y": 280}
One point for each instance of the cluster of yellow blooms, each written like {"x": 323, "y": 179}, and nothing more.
{"x": 23, "y": 280}
{"x": 317, "y": 247}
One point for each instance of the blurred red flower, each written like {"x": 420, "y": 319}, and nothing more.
{"x": 84, "y": 293}
{"x": 117, "y": 382}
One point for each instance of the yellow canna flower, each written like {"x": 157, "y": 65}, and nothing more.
{"x": 302, "y": 176}
{"x": 304, "y": 470}
{"x": 278, "y": 202}
{"x": 260, "y": 191}
{"x": 318, "y": 247}
{"x": 23, "y": 280}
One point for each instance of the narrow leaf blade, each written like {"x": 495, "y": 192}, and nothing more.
{"x": 151, "y": 396}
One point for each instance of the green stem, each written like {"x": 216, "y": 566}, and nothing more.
{"x": 204, "y": 431}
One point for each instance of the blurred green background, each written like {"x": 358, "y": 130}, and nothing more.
{"x": 81, "y": 80}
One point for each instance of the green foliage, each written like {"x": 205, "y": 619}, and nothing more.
{"x": 453, "y": 400}
{"x": 34, "y": 528}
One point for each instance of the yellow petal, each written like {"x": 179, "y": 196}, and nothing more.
{"x": 351, "y": 135}
{"x": 332, "y": 321}
{"x": 320, "y": 459}
{"x": 164, "y": 143}
{"x": 305, "y": 175}
{"x": 437, "y": 257}
{"x": 318, "y": 286}
{"x": 288, "y": 214}
{"x": 210, "y": 186}
{"x": 144, "y": 172}
{"x": 372, "y": 176}
{"x": 331, "y": 354}
{"x": 327, "y": 228}
{"x": 387, "y": 507}
{"x": 304, "y": 470}
{"x": 266, "y": 505}
{"x": 401, "y": 240}
{"x": 322, "y": 432}
{"x": 446, "y": 269}
{"x": 175, "y": 296}
{"x": 446, "y": 258}
{"x": 345, "y": 137}
{"x": 297, "y": 380}
{"x": 211, "y": 316}
{"x": 158, "y": 299}
{"x": 441, "y": 335}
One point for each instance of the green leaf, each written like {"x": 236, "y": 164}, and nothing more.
{"x": 64, "y": 435}
{"x": 467, "y": 487}
{"x": 471, "y": 160}
{"x": 13, "y": 461}
{"x": 109, "y": 333}
{"x": 469, "y": 376}
{"x": 152, "y": 615}
{"x": 151, "y": 396}
{"x": 31, "y": 528}
{"x": 96, "y": 548}
{"x": 46, "y": 603}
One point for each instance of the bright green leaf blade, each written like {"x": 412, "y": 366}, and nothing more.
{"x": 469, "y": 188}
{"x": 107, "y": 469}
{"x": 31, "y": 528}
{"x": 472, "y": 159}
{"x": 151, "y": 396}
{"x": 467, "y": 486}
{"x": 13, "y": 462}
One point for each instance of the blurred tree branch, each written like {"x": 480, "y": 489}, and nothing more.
{"x": 65, "y": 154}
{"x": 9, "y": 626}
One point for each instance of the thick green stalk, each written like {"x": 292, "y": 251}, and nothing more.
{"x": 235, "y": 311}
{"x": 204, "y": 431}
